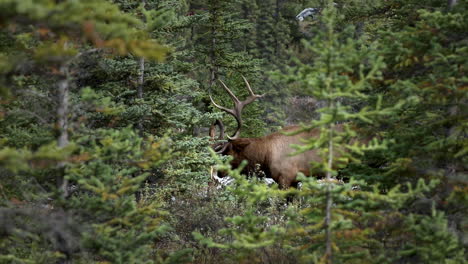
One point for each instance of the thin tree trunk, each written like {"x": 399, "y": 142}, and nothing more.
{"x": 141, "y": 75}
{"x": 452, "y": 3}
{"x": 277, "y": 10}
{"x": 62, "y": 118}
{"x": 141, "y": 80}
{"x": 213, "y": 68}
{"x": 331, "y": 126}
{"x": 359, "y": 29}
{"x": 453, "y": 111}
{"x": 328, "y": 213}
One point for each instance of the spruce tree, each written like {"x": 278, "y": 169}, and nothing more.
{"x": 76, "y": 183}
{"x": 339, "y": 223}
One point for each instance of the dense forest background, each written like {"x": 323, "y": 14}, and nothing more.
{"x": 105, "y": 110}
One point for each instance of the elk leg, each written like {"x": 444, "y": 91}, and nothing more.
{"x": 284, "y": 181}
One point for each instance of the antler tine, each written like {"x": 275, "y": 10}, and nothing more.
{"x": 252, "y": 96}
{"x": 235, "y": 112}
{"x": 230, "y": 111}
{"x": 250, "y": 89}
{"x": 218, "y": 147}
{"x": 237, "y": 133}
{"x": 229, "y": 92}
{"x": 224, "y": 147}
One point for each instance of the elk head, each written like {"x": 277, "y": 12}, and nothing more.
{"x": 235, "y": 145}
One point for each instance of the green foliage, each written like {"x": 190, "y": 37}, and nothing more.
{"x": 121, "y": 229}
{"x": 250, "y": 231}
{"x": 131, "y": 184}
{"x": 22, "y": 159}
{"x": 358, "y": 213}
{"x": 99, "y": 22}
{"x": 100, "y": 219}
{"x": 432, "y": 242}
{"x": 347, "y": 74}
{"x": 342, "y": 71}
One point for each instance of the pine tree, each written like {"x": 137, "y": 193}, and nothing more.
{"x": 47, "y": 44}
{"x": 341, "y": 71}
{"x": 425, "y": 69}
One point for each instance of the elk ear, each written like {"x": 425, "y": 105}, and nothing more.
{"x": 240, "y": 144}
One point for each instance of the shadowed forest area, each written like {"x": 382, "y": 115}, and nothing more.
{"x": 122, "y": 139}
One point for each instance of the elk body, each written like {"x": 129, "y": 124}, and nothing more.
{"x": 271, "y": 153}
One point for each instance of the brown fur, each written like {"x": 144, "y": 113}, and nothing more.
{"x": 272, "y": 153}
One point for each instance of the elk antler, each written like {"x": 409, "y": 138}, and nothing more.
{"x": 238, "y": 105}
{"x": 213, "y": 130}
{"x": 221, "y": 146}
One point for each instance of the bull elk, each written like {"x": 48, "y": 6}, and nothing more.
{"x": 271, "y": 153}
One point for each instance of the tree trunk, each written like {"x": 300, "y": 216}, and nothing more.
{"x": 452, "y": 3}
{"x": 277, "y": 14}
{"x": 331, "y": 127}
{"x": 214, "y": 17}
{"x": 213, "y": 69}
{"x": 62, "y": 120}
{"x": 141, "y": 74}
{"x": 141, "y": 80}
{"x": 328, "y": 213}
